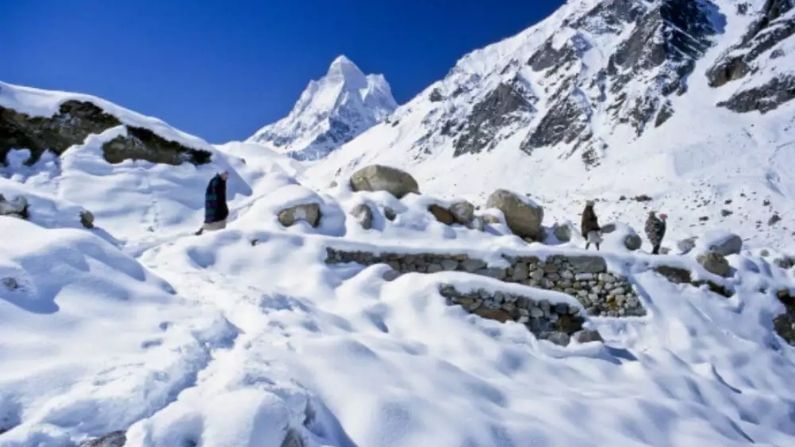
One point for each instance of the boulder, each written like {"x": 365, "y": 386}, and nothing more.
{"x": 87, "y": 219}
{"x": 608, "y": 228}
{"x": 17, "y": 207}
{"x": 383, "y": 178}
{"x": 308, "y": 212}
{"x": 632, "y": 242}
{"x": 715, "y": 263}
{"x": 363, "y": 215}
{"x": 112, "y": 439}
{"x": 522, "y": 215}
{"x": 685, "y": 246}
{"x": 442, "y": 214}
{"x": 477, "y": 223}
{"x": 724, "y": 244}
{"x": 562, "y": 232}
{"x": 389, "y": 214}
{"x": 463, "y": 212}
{"x": 588, "y": 264}
{"x": 587, "y": 336}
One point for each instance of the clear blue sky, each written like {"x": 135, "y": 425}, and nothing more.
{"x": 222, "y": 69}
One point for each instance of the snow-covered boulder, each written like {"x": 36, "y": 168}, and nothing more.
{"x": 16, "y": 207}
{"x": 384, "y": 178}
{"x": 522, "y": 214}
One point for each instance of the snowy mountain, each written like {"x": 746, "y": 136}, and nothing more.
{"x": 681, "y": 100}
{"x": 363, "y": 313}
{"x": 330, "y": 112}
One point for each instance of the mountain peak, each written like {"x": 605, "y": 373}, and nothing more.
{"x": 330, "y": 112}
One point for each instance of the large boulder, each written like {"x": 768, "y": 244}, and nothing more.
{"x": 442, "y": 214}
{"x": 383, "y": 178}
{"x": 363, "y": 215}
{"x": 463, "y": 212}
{"x": 308, "y": 212}
{"x": 17, "y": 207}
{"x": 522, "y": 215}
{"x": 723, "y": 243}
{"x": 715, "y": 263}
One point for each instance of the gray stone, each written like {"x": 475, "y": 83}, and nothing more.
{"x": 472, "y": 265}
{"x": 308, "y": 212}
{"x": 16, "y": 207}
{"x": 726, "y": 245}
{"x": 521, "y": 215}
{"x": 714, "y": 263}
{"x": 391, "y": 275}
{"x": 477, "y": 223}
{"x": 559, "y": 338}
{"x": 363, "y": 215}
{"x": 562, "y": 232}
{"x": 632, "y": 242}
{"x": 519, "y": 272}
{"x": 588, "y": 336}
{"x": 389, "y": 214}
{"x": 685, "y": 246}
{"x": 384, "y": 178}
{"x": 588, "y": 264}
{"x": 463, "y": 212}
{"x": 87, "y": 219}
{"x": 449, "y": 265}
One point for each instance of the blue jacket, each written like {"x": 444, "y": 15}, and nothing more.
{"x": 215, "y": 208}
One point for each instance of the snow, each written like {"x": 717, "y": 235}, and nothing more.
{"x": 245, "y": 336}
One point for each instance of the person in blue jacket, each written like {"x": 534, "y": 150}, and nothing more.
{"x": 215, "y": 209}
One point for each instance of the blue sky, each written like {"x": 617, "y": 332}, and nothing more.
{"x": 222, "y": 69}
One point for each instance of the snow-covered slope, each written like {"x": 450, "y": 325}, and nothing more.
{"x": 330, "y": 112}
{"x": 613, "y": 98}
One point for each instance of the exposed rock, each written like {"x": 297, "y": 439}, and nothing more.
{"x": 522, "y": 215}
{"x": 363, "y": 215}
{"x": 87, "y": 219}
{"x": 384, "y": 178}
{"x": 674, "y": 274}
{"x": 113, "y": 439}
{"x": 292, "y": 439}
{"x": 309, "y": 212}
{"x": 503, "y": 106}
{"x": 389, "y": 214}
{"x": 763, "y": 98}
{"x": 442, "y": 214}
{"x": 10, "y": 283}
{"x": 142, "y": 144}
{"x": 463, "y": 212}
{"x": 784, "y": 324}
{"x": 608, "y": 228}
{"x": 725, "y": 244}
{"x": 587, "y": 336}
{"x": 632, "y": 242}
{"x": 588, "y": 264}
{"x": 774, "y": 219}
{"x": 715, "y": 263}
{"x": 785, "y": 262}
{"x": 16, "y": 207}
{"x": 435, "y": 95}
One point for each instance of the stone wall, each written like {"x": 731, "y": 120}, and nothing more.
{"x": 556, "y": 322}
{"x": 584, "y": 277}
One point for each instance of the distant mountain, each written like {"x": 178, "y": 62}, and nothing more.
{"x": 690, "y": 101}
{"x": 330, "y": 112}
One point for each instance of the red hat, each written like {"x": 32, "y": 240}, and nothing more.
{"x": 663, "y": 216}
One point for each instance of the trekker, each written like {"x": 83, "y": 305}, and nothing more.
{"x": 215, "y": 209}
{"x": 655, "y": 230}
{"x": 589, "y": 226}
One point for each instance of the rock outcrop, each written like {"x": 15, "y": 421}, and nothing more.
{"x": 384, "y": 178}
{"x": 522, "y": 215}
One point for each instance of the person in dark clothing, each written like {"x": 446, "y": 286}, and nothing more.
{"x": 215, "y": 208}
{"x": 655, "y": 230}
{"x": 591, "y": 231}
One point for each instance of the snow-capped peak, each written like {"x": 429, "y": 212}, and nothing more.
{"x": 330, "y": 112}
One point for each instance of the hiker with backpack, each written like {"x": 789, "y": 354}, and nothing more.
{"x": 589, "y": 226}
{"x": 215, "y": 209}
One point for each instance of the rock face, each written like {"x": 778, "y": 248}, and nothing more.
{"x": 17, "y": 207}
{"x": 522, "y": 216}
{"x": 763, "y": 98}
{"x": 715, "y": 263}
{"x": 309, "y": 213}
{"x": 584, "y": 277}
{"x": 75, "y": 121}
{"x": 363, "y": 215}
{"x": 383, "y": 178}
{"x": 555, "y": 322}
{"x": 113, "y": 439}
